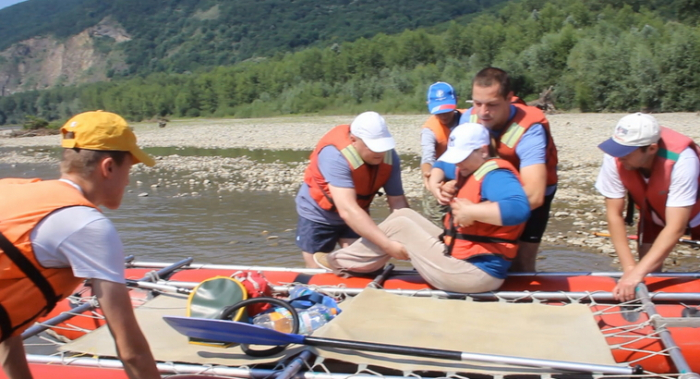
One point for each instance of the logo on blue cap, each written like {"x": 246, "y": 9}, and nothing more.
{"x": 441, "y": 98}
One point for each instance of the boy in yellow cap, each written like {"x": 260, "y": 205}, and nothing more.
{"x": 53, "y": 236}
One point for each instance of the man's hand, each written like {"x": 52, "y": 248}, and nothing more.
{"x": 625, "y": 288}
{"x": 425, "y": 170}
{"x": 460, "y": 212}
{"x": 397, "y": 250}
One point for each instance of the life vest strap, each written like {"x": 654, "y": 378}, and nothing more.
{"x": 475, "y": 238}
{"x": 483, "y": 239}
{"x": 6, "y": 329}
{"x": 32, "y": 273}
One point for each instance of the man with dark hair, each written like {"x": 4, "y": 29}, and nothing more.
{"x": 521, "y": 136}
{"x": 660, "y": 168}
{"x": 53, "y": 236}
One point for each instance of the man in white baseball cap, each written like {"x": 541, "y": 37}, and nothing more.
{"x": 371, "y": 128}
{"x": 660, "y": 168}
{"x": 479, "y": 238}
{"x": 348, "y": 167}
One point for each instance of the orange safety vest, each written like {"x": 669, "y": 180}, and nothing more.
{"x": 442, "y": 133}
{"x": 525, "y": 117}
{"x": 517, "y": 100}
{"x": 481, "y": 238}
{"x": 654, "y": 194}
{"x": 368, "y": 179}
{"x": 28, "y": 290}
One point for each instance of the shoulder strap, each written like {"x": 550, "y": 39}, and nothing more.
{"x": 32, "y": 273}
{"x": 6, "y": 328}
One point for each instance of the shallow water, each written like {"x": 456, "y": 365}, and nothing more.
{"x": 238, "y": 227}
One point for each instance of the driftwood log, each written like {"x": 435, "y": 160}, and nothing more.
{"x": 545, "y": 102}
{"x": 34, "y": 132}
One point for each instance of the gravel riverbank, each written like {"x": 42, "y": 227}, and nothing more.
{"x": 577, "y": 210}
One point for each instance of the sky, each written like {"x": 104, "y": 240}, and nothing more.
{"x": 7, "y": 3}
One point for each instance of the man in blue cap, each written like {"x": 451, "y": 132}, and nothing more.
{"x": 660, "y": 168}
{"x": 442, "y": 105}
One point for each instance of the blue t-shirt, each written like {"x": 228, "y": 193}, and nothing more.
{"x": 337, "y": 172}
{"x": 532, "y": 148}
{"x": 503, "y": 187}
{"x": 450, "y": 169}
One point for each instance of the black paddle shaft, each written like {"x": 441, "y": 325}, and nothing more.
{"x": 383, "y": 348}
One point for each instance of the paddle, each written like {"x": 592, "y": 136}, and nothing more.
{"x": 685, "y": 240}
{"x": 237, "y": 332}
{"x": 157, "y": 287}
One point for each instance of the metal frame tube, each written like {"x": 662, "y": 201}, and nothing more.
{"x": 563, "y": 296}
{"x": 673, "y": 350}
{"x": 295, "y": 365}
{"x": 208, "y": 266}
{"x": 92, "y": 304}
{"x": 181, "y": 368}
{"x": 64, "y": 316}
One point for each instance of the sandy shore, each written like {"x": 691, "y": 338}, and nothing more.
{"x": 578, "y": 209}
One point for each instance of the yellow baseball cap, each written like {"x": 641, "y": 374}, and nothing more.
{"x": 102, "y": 131}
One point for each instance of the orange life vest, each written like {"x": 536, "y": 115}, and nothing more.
{"x": 654, "y": 194}
{"x": 28, "y": 290}
{"x": 481, "y": 238}
{"x": 517, "y": 100}
{"x": 368, "y": 179}
{"x": 442, "y": 133}
{"x": 525, "y": 117}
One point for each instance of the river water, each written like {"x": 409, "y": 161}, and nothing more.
{"x": 248, "y": 228}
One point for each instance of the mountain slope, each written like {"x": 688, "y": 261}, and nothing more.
{"x": 185, "y": 35}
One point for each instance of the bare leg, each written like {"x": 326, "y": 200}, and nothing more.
{"x": 14, "y": 362}
{"x": 345, "y": 242}
{"x": 526, "y": 259}
{"x": 309, "y": 260}
{"x": 309, "y": 257}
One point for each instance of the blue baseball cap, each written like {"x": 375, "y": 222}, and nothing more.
{"x": 441, "y": 98}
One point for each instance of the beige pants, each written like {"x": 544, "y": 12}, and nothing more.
{"x": 420, "y": 237}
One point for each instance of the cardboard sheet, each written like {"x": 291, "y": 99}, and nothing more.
{"x": 566, "y": 333}
{"x": 168, "y": 345}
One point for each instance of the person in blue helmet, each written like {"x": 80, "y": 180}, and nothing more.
{"x": 442, "y": 105}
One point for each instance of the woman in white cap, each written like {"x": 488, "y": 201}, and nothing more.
{"x": 474, "y": 249}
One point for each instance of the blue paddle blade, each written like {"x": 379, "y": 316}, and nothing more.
{"x": 230, "y": 331}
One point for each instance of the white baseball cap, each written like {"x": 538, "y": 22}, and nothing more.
{"x": 631, "y": 132}
{"x": 463, "y": 140}
{"x": 371, "y": 128}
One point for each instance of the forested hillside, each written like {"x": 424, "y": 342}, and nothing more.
{"x": 599, "y": 55}
{"x": 175, "y": 36}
